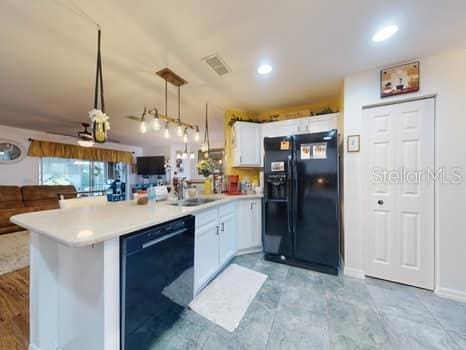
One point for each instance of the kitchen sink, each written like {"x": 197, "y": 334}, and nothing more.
{"x": 192, "y": 202}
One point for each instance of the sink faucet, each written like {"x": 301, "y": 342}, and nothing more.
{"x": 181, "y": 188}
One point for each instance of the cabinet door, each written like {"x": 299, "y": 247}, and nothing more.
{"x": 247, "y": 144}
{"x": 244, "y": 231}
{"x": 285, "y": 128}
{"x": 256, "y": 222}
{"x": 227, "y": 241}
{"x": 206, "y": 258}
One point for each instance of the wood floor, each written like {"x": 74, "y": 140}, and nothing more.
{"x": 14, "y": 310}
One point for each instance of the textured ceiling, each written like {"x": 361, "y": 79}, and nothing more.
{"x": 47, "y": 55}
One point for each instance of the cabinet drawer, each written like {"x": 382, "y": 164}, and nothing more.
{"x": 227, "y": 209}
{"x": 205, "y": 217}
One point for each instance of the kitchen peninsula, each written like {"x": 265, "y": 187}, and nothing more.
{"x": 75, "y": 261}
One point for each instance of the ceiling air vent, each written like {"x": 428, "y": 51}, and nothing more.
{"x": 217, "y": 64}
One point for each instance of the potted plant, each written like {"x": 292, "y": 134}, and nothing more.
{"x": 206, "y": 168}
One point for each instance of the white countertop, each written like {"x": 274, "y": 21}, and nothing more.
{"x": 77, "y": 227}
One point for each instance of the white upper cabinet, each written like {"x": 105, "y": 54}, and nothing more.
{"x": 246, "y": 144}
{"x": 298, "y": 126}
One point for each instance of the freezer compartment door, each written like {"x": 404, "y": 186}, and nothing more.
{"x": 276, "y": 232}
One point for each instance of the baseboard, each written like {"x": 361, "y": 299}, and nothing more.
{"x": 356, "y": 273}
{"x": 451, "y": 294}
{"x": 33, "y": 347}
{"x": 248, "y": 251}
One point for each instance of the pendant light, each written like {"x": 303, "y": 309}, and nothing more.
{"x": 206, "y": 145}
{"x": 179, "y": 129}
{"x": 143, "y": 125}
{"x": 185, "y": 153}
{"x": 185, "y": 135}
{"x": 166, "y": 132}
{"x": 100, "y": 121}
{"x": 156, "y": 122}
{"x": 196, "y": 135}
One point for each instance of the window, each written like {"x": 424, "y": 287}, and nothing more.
{"x": 84, "y": 175}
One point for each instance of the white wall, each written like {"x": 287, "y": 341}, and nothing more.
{"x": 26, "y": 172}
{"x": 444, "y": 75}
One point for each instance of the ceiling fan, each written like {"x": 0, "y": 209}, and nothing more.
{"x": 84, "y": 137}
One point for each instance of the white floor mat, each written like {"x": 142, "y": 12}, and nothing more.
{"x": 227, "y": 298}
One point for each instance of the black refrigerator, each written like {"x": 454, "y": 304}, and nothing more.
{"x": 301, "y": 211}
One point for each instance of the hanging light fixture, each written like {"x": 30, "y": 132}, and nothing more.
{"x": 143, "y": 125}
{"x": 206, "y": 144}
{"x": 196, "y": 135}
{"x": 100, "y": 121}
{"x": 185, "y": 153}
{"x": 192, "y": 155}
{"x": 185, "y": 135}
{"x": 166, "y": 132}
{"x": 179, "y": 129}
{"x": 156, "y": 122}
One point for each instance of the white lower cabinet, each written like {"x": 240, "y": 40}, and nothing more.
{"x": 206, "y": 254}
{"x": 227, "y": 238}
{"x": 215, "y": 242}
{"x": 249, "y": 232}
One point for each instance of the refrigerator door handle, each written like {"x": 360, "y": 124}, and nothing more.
{"x": 290, "y": 196}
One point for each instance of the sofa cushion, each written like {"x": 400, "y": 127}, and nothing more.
{"x": 6, "y": 214}
{"x": 10, "y": 197}
{"x": 36, "y": 193}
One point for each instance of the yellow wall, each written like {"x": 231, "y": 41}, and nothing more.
{"x": 279, "y": 114}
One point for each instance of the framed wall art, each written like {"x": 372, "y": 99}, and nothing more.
{"x": 352, "y": 144}
{"x": 399, "y": 80}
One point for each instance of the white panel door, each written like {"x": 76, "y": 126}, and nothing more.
{"x": 399, "y": 231}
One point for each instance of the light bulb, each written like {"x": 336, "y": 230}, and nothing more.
{"x": 185, "y": 155}
{"x": 185, "y": 136}
{"x": 192, "y": 155}
{"x": 204, "y": 147}
{"x": 166, "y": 132}
{"x": 178, "y": 155}
{"x": 179, "y": 130}
{"x": 143, "y": 127}
{"x": 156, "y": 124}
{"x": 196, "y": 135}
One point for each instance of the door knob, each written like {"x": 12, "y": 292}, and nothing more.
{"x": 380, "y": 202}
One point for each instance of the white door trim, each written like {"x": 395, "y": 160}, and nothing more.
{"x": 436, "y": 279}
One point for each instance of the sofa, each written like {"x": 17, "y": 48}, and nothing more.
{"x": 18, "y": 200}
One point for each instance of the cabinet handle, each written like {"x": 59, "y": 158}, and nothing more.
{"x": 217, "y": 230}
{"x": 240, "y": 159}
{"x": 223, "y": 227}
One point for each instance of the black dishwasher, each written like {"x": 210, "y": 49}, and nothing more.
{"x": 157, "y": 279}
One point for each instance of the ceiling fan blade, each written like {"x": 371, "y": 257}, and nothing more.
{"x": 60, "y": 134}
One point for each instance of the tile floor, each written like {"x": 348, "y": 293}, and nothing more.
{"x": 301, "y": 309}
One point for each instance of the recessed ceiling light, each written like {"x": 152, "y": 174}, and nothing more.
{"x": 384, "y": 33}
{"x": 264, "y": 69}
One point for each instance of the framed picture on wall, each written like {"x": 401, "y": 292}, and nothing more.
{"x": 399, "y": 80}
{"x": 352, "y": 144}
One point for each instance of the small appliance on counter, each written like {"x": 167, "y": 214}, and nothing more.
{"x": 232, "y": 185}
{"x": 219, "y": 183}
